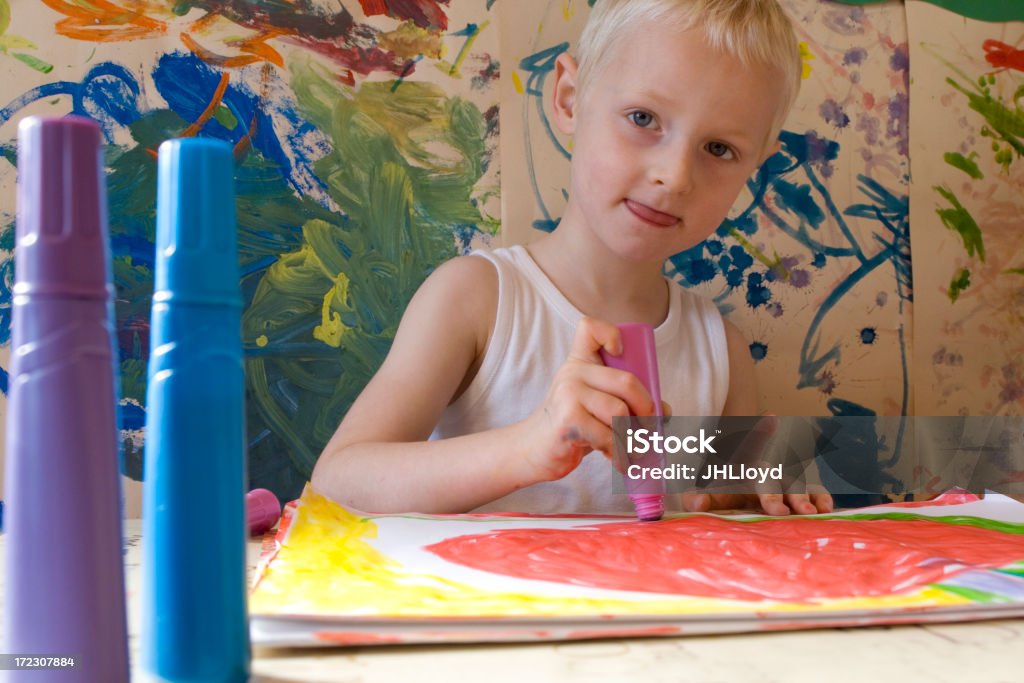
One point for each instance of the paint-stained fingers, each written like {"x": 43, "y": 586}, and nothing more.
{"x": 587, "y": 430}
{"x": 591, "y": 336}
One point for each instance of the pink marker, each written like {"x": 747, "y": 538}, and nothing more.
{"x": 262, "y": 510}
{"x": 640, "y": 357}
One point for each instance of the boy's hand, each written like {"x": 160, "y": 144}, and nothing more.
{"x": 576, "y": 415}
{"x": 771, "y": 503}
{"x": 770, "y": 500}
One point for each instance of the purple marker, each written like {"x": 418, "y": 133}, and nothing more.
{"x": 640, "y": 357}
{"x": 262, "y": 510}
{"x": 64, "y": 570}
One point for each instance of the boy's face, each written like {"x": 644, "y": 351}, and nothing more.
{"x": 665, "y": 136}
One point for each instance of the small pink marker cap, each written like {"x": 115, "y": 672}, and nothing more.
{"x": 262, "y": 510}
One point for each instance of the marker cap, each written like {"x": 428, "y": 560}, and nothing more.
{"x": 195, "y": 224}
{"x": 61, "y": 239}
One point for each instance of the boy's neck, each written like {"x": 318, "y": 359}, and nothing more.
{"x": 599, "y": 283}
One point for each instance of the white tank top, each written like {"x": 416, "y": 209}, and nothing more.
{"x": 533, "y": 332}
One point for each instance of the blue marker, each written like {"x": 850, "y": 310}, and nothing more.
{"x": 194, "y": 624}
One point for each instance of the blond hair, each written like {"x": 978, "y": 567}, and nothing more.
{"x": 755, "y": 31}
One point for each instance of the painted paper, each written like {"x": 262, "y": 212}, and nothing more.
{"x": 813, "y": 262}
{"x": 968, "y": 166}
{"x": 365, "y": 137}
{"x": 506, "y": 577}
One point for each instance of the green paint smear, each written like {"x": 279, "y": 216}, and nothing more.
{"x": 225, "y": 117}
{"x": 1004, "y": 123}
{"x": 965, "y": 164}
{"x": 403, "y": 171}
{"x": 985, "y": 10}
{"x": 956, "y": 520}
{"x": 975, "y": 596}
{"x": 959, "y": 220}
{"x": 960, "y": 282}
{"x": 34, "y": 62}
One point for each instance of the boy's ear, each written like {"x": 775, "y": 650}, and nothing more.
{"x": 566, "y": 93}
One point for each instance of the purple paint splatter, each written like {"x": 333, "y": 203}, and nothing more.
{"x": 899, "y": 118}
{"x": 854, "y": 56}
{"x": 869, "y": 125}
{"x": 833, "y": 113}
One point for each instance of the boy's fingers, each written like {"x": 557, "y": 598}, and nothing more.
{"x": 592, "y": 335}
{"x": 619, "y": 384}
{"x": 800, "y": 503}
{"x": 773, "y": 503}
{"x": 696, "y": 502}
{"x": 823, "y": 501}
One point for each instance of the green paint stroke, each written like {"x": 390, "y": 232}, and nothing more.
{"x": 965, "y": 164}
{"x": 960, "y": 282}
{"x": 12, "y": 42}
{"x": 974, "y": 595}
{"x": 1003, "y": 123}
{"x": 959, "y": 220}
{"x": 403, "y": 172}
{"x": 985, "y": 10}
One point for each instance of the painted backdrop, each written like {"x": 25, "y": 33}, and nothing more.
{"x": 367, "y": 148}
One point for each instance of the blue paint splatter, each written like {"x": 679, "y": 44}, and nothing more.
{"x": 699, "y": 271}
{"x": 757, "y": 293}
{"x": 758, "y": 351}
{"x": 740, "y": 258}
{"x": 868, "y": 335}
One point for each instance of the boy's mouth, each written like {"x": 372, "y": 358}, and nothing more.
{"x": 649, "y": 215}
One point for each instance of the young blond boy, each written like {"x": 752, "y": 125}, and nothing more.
{"x": 493, "y": 396}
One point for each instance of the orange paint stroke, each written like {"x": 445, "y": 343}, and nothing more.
{"x": 211, "y": 108}
{"x": 795, "y": 559}
{"x": 1003, "y": 56}
{"x": 102, "y": 21}
{"x": 253, "y": 50}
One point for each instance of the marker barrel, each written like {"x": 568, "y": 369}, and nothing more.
{"x": 639, "y": 356}
{"x": 194, "y": 592}
{"x": 64, "y": 574}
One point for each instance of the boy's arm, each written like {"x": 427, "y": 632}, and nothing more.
{"x": 379, "y": 458}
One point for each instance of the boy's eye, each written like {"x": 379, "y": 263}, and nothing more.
{"x": 642, "y": 119}
{"x": 720, "y": 150}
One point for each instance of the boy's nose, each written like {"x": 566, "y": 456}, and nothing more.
{"x": 673, "y": 171}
